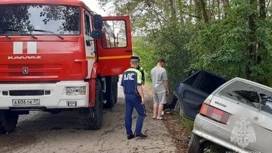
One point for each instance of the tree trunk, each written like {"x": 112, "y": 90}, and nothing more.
{"x": 220, "y": 11}
{"x": 198, "y": 9}
{"x": 262, "y": 52}
{"x": 261, "y": 46}
{"x": 173, "y": 10}
{"x": 205, "y": 14}
{"x": 252, "y": 38}
{"x": 226, "y": 7}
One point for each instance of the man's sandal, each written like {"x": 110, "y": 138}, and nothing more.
{"x": 161, "y": 118}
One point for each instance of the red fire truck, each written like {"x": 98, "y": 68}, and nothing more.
{"x": 59, "y": 55}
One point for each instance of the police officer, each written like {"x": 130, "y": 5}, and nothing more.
{"x": 132, "y": 84}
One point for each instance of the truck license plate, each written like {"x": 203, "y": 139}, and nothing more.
{"x": 25, "y": 102}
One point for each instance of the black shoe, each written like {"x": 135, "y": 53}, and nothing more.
{"x": 130, "y": 136}
{"x": 140, "y": 135}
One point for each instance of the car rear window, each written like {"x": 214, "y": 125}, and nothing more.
{"x": 249, "y": 94}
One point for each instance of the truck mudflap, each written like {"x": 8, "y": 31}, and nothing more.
{"x": 63, "y": 94}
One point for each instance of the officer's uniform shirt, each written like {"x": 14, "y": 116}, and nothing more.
{"x": 131, "y": 78}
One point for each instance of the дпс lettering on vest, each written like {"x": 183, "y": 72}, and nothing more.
{"x": 129, "y": 76}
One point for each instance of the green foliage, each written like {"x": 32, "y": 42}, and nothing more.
{"x": 168, "y": 43}
{"x": 185, "y": 122}
{"x": 146, "y": 52}
{"x": 233, "y": 40}
{"x": 222, "y": 46}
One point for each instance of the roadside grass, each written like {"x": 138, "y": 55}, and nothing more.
{"x": 184, "y": 122}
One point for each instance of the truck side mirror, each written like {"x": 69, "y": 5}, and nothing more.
{"x": 98, "y": 21}
{"x": 97, "y": 34}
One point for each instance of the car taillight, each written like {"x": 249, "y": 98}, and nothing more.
{"x": 214, "y": 113}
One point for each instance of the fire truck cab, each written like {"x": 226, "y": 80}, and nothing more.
{"x": 59, "y": 55}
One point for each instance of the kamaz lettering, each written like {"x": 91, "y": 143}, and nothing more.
{"x": 24, "y": 57}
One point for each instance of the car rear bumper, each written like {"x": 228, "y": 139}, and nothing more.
{"x": 212, "y": 131}
{"x": 54, "y": 98}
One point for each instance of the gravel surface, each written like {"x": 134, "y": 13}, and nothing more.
{"x": 42, "y": 132}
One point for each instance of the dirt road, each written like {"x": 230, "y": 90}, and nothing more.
{"x": 41, "y": 132}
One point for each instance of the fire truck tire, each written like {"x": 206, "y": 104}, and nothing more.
{"x": 8, "y": 121}
{"x": 93, "y": 117}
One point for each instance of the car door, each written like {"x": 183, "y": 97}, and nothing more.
{"x": 192, "y": 91}
{"x": 115, "y": 48}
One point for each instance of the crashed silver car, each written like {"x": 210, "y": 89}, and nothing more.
{"x": 237, "y": 116}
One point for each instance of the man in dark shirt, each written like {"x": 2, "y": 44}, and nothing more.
{"x": 132, "y": 84}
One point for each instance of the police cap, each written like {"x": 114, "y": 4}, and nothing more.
{"x": 134, "y": 59}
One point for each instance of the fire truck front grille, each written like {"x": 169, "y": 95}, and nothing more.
{"x": 26, "y": 92}
{"x": 28, "y": 70}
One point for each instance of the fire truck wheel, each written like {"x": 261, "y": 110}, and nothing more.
{"x": 8, "y": 121}
{"x": 93, "y": 117}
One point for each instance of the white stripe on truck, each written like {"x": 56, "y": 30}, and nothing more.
{"x": 31, "y": 47}
{"x": 17, "y": 47}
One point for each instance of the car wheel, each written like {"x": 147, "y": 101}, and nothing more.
{"x": 197, "y": 144}
{"x": 194, "y": 144}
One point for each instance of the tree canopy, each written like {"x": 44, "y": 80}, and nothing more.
{"x": 227, "y": 37}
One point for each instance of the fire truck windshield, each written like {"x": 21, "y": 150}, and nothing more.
{"x": 62, "y": 20}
